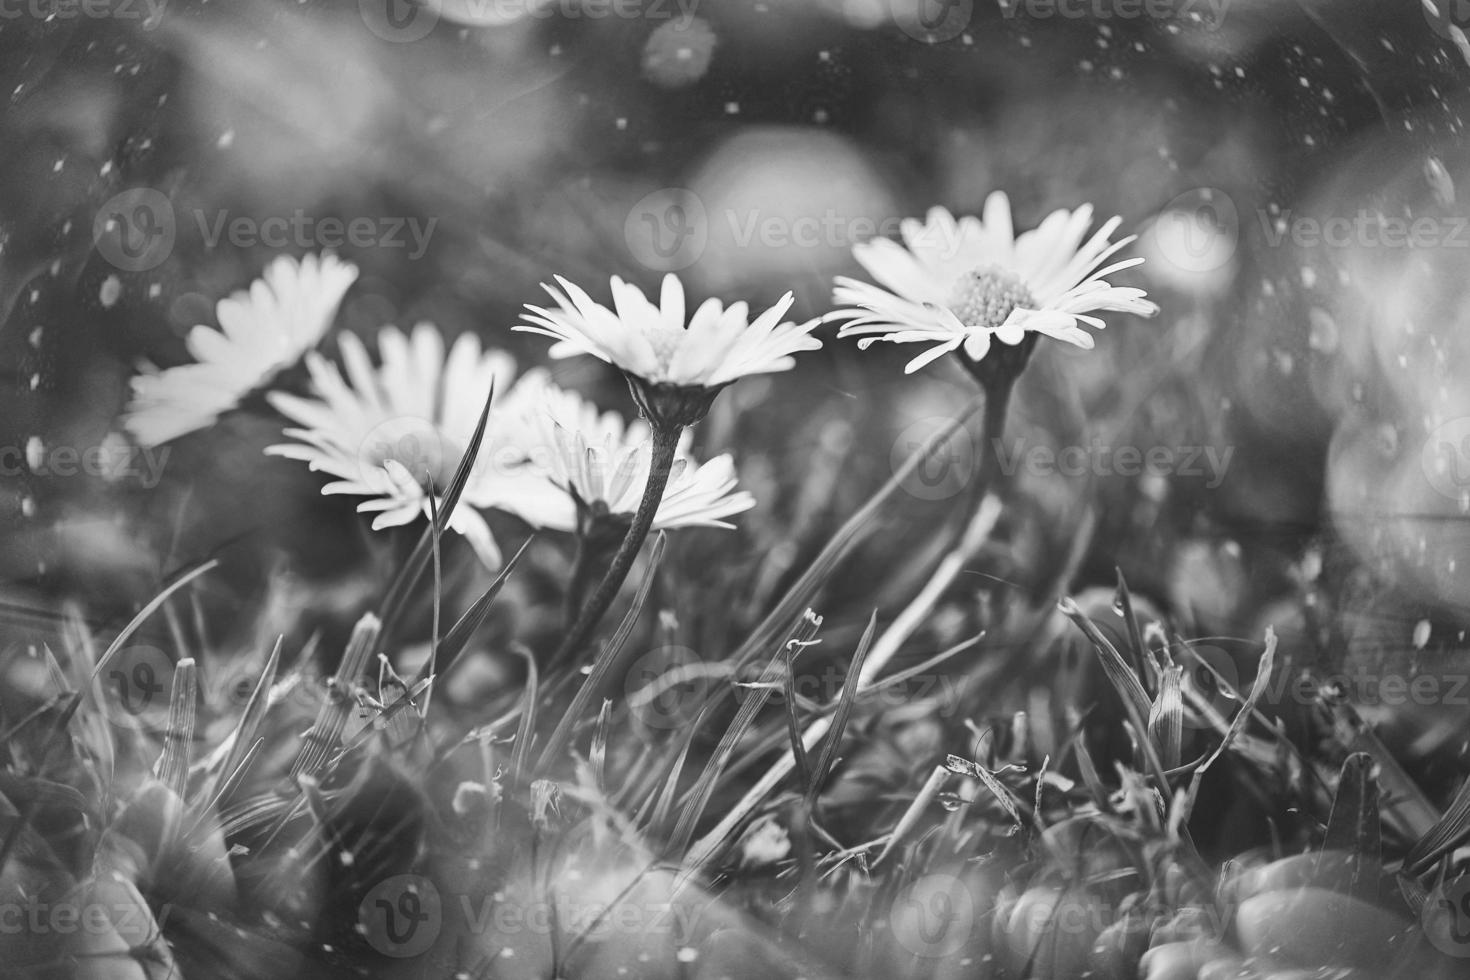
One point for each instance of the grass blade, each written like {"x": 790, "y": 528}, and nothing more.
{"x": 527, "y": 724}
{"x": 325, "y": 732}
{"x": 172, "y": 768}
{"x": 845, "y": 700}
{"x": 1448, "y": 833}
{"x": 243, "y": 737}
{"x": 1354, "y": 827}
{"x": 1166, "y": 717}
{"x": 853, "y": 531}
{"x": 408, "y": 575}
{"x": 474, "y": 617}
{"x": 803, "y": 632}
{"x": 605, "y": 662}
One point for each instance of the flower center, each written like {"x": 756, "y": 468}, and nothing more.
{"x": 986, "y": 296}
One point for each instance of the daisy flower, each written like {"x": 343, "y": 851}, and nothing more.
{"x": 390, "y": 433}
{"x": 582, "y": 459}
{"x": 665, "y": 354}
{"x": 261, "y": 331}
{"x": 971, "y": 282}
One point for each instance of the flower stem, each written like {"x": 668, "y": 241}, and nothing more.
{"x": 598, "y": 536}
{"x": 665, "y": 442}
{"x": 993, "y": 430}
{"x": 997, "y": 374}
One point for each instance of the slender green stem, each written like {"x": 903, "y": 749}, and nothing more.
{"x": 997, "y": 409}
{"x": 598, "y": 536}
{"x": 997, "y": 374}
{"x": 665, "y": 442}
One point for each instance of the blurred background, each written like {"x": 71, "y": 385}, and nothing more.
{"x": 1276, "y": 157}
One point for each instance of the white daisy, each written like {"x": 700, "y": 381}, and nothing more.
{"x": 578, "y": 454}
{"x": 262, "y": 330}
{"x": 654, "y": 342}
{"x": 391, "y": 432}
{"x": 972, "y": 281}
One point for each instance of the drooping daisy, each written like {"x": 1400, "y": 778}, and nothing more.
{"x": 391, "y": 433}
{"x": 971, "y": 282}
{"x": 662, "y": 352}
{"x": 261, "y": 331}
{"x": 580, "y": 456}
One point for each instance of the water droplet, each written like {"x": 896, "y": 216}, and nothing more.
{"x": 1324, "y": 334}
{"x": 1421, "y": 634}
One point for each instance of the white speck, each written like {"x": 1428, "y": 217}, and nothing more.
{"x": 1421, "y": 634}
{"x": 687, "y": 954}
{"x": 110, "y": 291}
{"x": 226, "y": 139}
{"x": 732, "y": 108}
